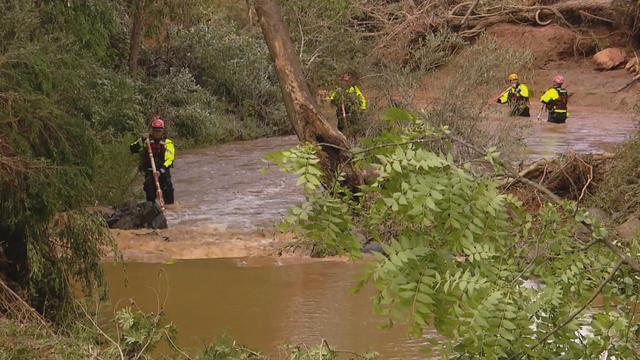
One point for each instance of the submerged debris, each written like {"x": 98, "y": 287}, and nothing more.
{"x": 571, "y": 176}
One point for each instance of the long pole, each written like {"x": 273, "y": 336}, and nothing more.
{"x": 540, "y": 112}
{"x": 159, "y": 196}
{"x": 344, "y": 115}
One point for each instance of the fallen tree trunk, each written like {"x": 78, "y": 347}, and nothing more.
{"x": 302, "y": 111}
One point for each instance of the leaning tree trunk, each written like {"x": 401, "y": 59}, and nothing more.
{"x": 136, "y": 35}
{"x": 302, "y": 111}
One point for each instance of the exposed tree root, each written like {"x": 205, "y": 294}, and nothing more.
{"x": 398, "y": 24}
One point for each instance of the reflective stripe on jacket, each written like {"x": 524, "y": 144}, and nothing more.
{"x": 162, "y": 149}
{"x": 517, "y": 93}
{"x": 553, "y": 101}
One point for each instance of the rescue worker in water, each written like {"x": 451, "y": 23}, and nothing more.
{"x": 163, "y": 154}
{"x": 517, "y": 96}
{"x": 555, "y": 100}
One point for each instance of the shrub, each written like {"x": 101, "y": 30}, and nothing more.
{"x": 194, "y": 115}
{"x": 234, "y": 67}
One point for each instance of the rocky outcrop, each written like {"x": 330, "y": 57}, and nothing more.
{"x": 610, "y": 58}
{"x": 137, "y": 215}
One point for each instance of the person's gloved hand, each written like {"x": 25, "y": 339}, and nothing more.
{"x": 163, "y": 171}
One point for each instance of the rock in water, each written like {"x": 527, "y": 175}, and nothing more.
{"x": 137, "y": 215}
{"x": 610, "y": 58}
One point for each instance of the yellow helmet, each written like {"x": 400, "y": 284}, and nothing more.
{"x": 513, "y": 77}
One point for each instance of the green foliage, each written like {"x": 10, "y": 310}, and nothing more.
{"x": 232, "y": 66}
{"x": 324, "y": 219}
{"x": 434, "y": 49}
{"x": 224, "y": 348}
{"x": 52, "y": 106}
{"x": 323, "y": 352}
{"x": 140, "y": 332}
{"x": 323, "y": 36}
{"x": 458, "y": 254}
{"x": 192, "y": 112}
{"x": 27, "y": 342}
{"x": 619, "y": 192}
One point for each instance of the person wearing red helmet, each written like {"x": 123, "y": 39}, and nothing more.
{"x": 164, "y": 153}
{"x": 555, "y": 100}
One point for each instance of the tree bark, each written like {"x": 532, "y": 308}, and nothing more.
{"x": 301, "y": 107}
{"x": 136, "y": 35}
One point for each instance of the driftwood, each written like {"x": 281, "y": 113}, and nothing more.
{"x": 14, "y": 307}
{"x": 396, "y": 25}
{"x": 633, "y": 66}
{"x": 571, "y": 176}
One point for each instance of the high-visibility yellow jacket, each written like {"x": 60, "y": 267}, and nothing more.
{"x": 555, "y": 100}
{"x": 164, "y": 152}
{"x": 351, "y": 90}
{"x": 517, "y": 93}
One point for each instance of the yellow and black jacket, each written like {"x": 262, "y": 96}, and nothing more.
{"x": 517, "y": 97}
{"x": 556, "y": 100}
{"x": 163, "y": 150}
{"x": 348, "y": 96}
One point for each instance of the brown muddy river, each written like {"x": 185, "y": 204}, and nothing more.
{"x": 265, "y": 302}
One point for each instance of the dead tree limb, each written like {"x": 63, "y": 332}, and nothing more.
{"x": 302, "y": 111}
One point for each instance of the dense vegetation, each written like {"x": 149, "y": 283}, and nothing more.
{"x": 466, "y": 259}
{"x": 457, "y": 250}
{"x": 70, "y": 104}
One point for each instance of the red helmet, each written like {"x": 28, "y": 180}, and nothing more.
{"x": 157, "y": 123}
{"x": 558, "y": 79}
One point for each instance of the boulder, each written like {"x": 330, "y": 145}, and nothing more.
{"x": 610, "y": 58}
{"x": 629, "y": 228}
{"x": 137, "y": 215}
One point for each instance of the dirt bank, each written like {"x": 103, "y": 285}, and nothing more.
{"x": 202, "y": 242}
{"x": 555, "y": 50}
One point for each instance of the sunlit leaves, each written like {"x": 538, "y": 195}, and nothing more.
{"x": 471, "y": 262}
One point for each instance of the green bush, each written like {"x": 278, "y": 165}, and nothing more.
{"x": 194, "y": 115}
{"x": 234, "y": 67}
{"x": 434, "y": 49}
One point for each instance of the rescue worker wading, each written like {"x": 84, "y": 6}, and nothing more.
{"x": 163, "y": 155}
{"x": 517, "y": 96}
{"x": 555, "y": 100}
{"x": 349, "y": 102}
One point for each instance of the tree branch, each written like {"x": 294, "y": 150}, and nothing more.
{"x": 581, "y": 309}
